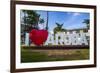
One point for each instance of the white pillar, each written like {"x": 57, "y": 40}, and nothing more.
{"x": 27, "y": 39}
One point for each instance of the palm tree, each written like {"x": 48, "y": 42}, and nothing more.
{"x": 59, "y": 28}
{"x": 87, "y": 22}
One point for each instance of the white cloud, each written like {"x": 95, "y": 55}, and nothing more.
{"x": 73, "y": 13}
{"x": 76, "y": 14}
{"x": 41, "y": 26}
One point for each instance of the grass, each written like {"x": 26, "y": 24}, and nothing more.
{"x": 53, "y": 55}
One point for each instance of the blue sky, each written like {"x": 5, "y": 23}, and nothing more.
{"x": 70, "y": 20}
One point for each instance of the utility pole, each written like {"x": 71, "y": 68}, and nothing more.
{"x": 47, "y": 21}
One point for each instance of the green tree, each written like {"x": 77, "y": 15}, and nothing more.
{"x": 59, "y": 28}
{"x": 87, "y": 22}
{"x": 41, "y": 21}
{"x": 31, "y": 19}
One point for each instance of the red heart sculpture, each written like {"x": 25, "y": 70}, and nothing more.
{"x": 38, "y": 37}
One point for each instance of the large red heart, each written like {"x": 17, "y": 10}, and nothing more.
{"x": 38, "y": 37}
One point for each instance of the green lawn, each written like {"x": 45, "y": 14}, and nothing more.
{"x": 29, "y": 55}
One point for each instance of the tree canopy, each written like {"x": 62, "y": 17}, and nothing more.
{"x": 31, "y": 19}
{"x": 87, "y": 22}
{"x": 59, "y": 28}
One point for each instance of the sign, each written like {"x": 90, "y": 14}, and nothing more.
{"x": 62, "y": 38}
